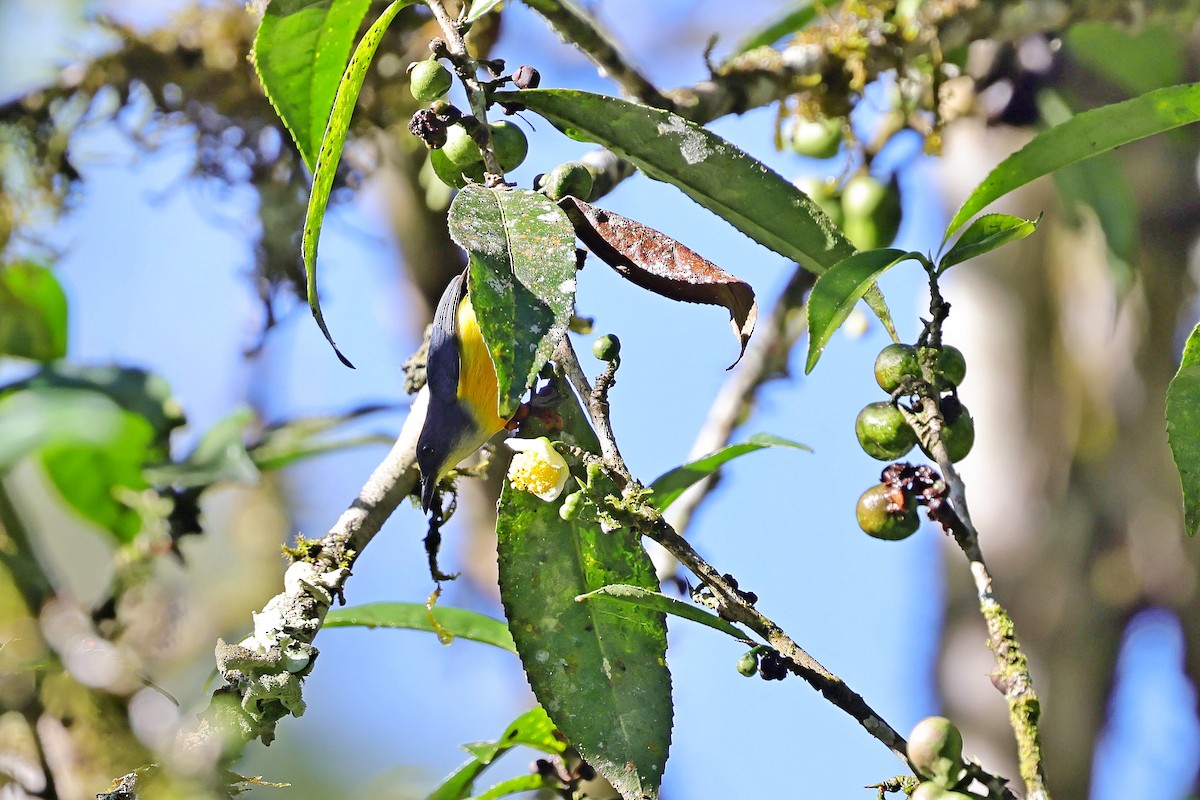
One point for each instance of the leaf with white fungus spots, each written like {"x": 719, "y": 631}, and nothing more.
{"x": 655, "y": 261}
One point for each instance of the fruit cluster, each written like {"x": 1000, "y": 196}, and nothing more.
{"x": 935, "y": 751}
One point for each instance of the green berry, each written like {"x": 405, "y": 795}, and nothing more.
{"x": 607, "y": 347}
{"x": 571, "y": 179}
{"x": 572, "y": 506}
{"x": 950, "y": 367}
{"x": 748, "y": 664}
{"x": 453, "y": 175}
{"x": 825, "y": 194}
{"x": 429, "y": 81}
{"x": 872, "y": 211}
{"x": 510, "y": 144}
{"x": 883, "y": 432}
{"x": 460, "y": 149}
{"x": 935, "y": 750}
{"x": 958, "y": 433}
{"x": 895, "y": 363}
{"x": 817, "y": 138}
{"x": 929, "y": 791}
{"x": 886, "y": 512}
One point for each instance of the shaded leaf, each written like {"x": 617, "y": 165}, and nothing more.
{"x": 295, "y": 440}
{"x": 668, "y": 605}
{"x": 1183, "y": 429}
{"x": 415, "y": 616}
{"x": 655, "y": 261}
{"x": 986, "y": 234}
{"x": 795, "y": 17}
{"x": 598, "y": 671}
{"x": 330, "y": 154}
{"x": 1084, "y": 135}
{"x": 532, "y": 729}
{"x": 300, "y": 52}
{"x": 835, "y": 293}
{"x": 33, "y": 313}
{"x": 667, "y": 487}
{"x": 522, "y": 279}
{"x": 220, "y": 455}
{"x": 1151, "y": 56}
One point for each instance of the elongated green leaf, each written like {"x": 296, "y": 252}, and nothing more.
{"x": 668, "y": 605}
{"x": 532, "y": 729}
{"x": 220, "y": 455}
{"x": 300, "y": 52}
{"x": 712, "y": 171}
{"x": 1084, "y": 135}
{"x": 480, "y": 8}
{"x": 304, "y": 437}
{"x": 521, "y": 783}
{"x": 794, "y": 17}
{"x": 668, "y": 486}
{"x": 598, "y": 671}
{"x": 1183, "y": 429}
{"x": 33, "y": 313}
{"x": 835, "y": 293}
{"x": 522, "y": 280}
{"x": 986, "y": 234}
{"x": 330, "y": 155}
{"x": 414, "y": 616}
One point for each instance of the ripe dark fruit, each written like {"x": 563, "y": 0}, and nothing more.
{"x": 526, "y": 77}
{"x": 950, "y": 367}
{"x": 429, "y": 80}
{"x": 895, "y": 363}
{"x": 607, "y": 347}
{"x": 748, "y": 664}
{"x": 572, "y": 178}
{"x": 886, "y": 512}
{"x": 935, "y": 750}
{"x": 817, "y": 138}
{"x": 883, "y": 432}
{"x": 958, "y": 433}
{"x": 872, "y": 210}
{"x": 510, "y": 144}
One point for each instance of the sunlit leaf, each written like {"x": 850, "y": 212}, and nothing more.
{"x": 460, "y": 622}
{"x": 33, "y": 313}
{"x": 518, "y": 785}
{"x": 986, "y": 234}
{"x": 668, "y": 605}
{"x": 300, "y": 53}
{"x": 1084, "y": 135}
{"x": 1183, "y": 429}
{"x": 835, "y": 293}
{"x": 531, "y": 729}
{"x": 1152, "y": 54}
{"x": 793, "y": 17}
{"x": 480, "y": 8}
{"x": 667, "y": 487}
{"x": 522, "y": 279}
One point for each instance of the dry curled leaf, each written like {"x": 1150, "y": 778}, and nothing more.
{"x": 655, "y": 261}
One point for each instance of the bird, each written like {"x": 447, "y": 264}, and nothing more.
{"x": 463, "y": 396}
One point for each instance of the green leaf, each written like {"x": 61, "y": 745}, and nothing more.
{"x": 480, "y": 8}
{"x": 795, "y": 17}
{"x": 144, "y": 393}
{"x": 1084, "y": 135}
{"x": 220, "y": 455}
{"x": 712, "y": 171}
{"x": 33, "y": 313}
{"x": 330, "y": 154}
{"x": 300, "y": 52}
{"x": 284, "y": 444}
{"x": 460, "y": 622}
{"x": 835, "y": 293}
{"x": 985, "y": 234}
{"x": 522, "y": 783}
{"x": 599, "y": 671}
{"x": 532, "y": 729}
{"x": 1183, "y": 429}
{"x": 521, "y": 249}
{"x": 1151, "y": 56}
{"x": 667, "y": 487}
{"x": 668, "y": 605}
{"x": 91, "y": 449}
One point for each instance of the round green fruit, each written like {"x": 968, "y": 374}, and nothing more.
{"x": 958, "y": 433}
{"x": 929, "y": 791}
{"x": 572, "y": 506}
{"x": 894, "y": 364}
{"x": 872, "y": 212}
{"x": 429, "y": 81}
{"x": 748, "y": 664}
{"x": 950, "y": 367}
{"x": 883, "y": 432}
{"x": 817, "y": 138}
{"x": 825, "y": 194}
{"x": 460, "y": 149}
{"x": 452, "y": 175}
{"x": 935, "y": 750}
{"x": 607, "y": 347}
{"x": 510, "y": 144}
{"x": 571, "y": 179}
{"x": 879, "y": 514}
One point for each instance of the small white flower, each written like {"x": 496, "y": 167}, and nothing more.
{"x": 538, "y": 468}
